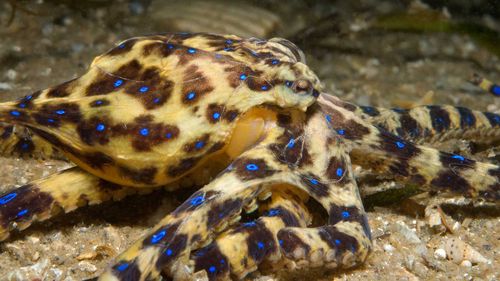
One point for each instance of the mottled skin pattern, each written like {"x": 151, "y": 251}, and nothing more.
{"x": 156, "y": 110}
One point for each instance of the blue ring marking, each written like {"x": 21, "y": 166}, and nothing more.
{"x": 158, "y": 236}
{"x": 191, "y": 51}
{"x": 289, "y": 83}
{"x": 222, "y": 261}
{"x": 199, "y": 144}
{"x": 98, "y": 102}
{"x": 24, "y": 146}
{"x": 345, "y": 214}
{"x": 340, "y": 132}
{"x": 400, "y": 144}
{"x": 252, "y": 167}
{"x": 191, "y": 95}
{"x": 100, "y": 127}
{"x": 216, "y": 115}
{"x": 15, "y": 113}
{"x": 122, "y": 45}
{"x": 337, "y": 242}
{"x": 143, "y": 89}
{"x": 50, "y": 120}
{"x": 280, "y": 242}
{"x": 274, "y": 62}
{"x": 218, "y": 56}
{"x": 122, "y": 266}
{"x": 168, "y": 135}
{"x": 29, "y": 97}
{"x": 156, "y": 100}
{"x": 169, "y": 252}
{"x": 495, "y": 89}
{"x": 314, "y": 181}
{"x": 328, "y": 118}
{"x": 340, "y": 172}
{"x": 22, "y": 105}
{"x": 228, "y": 49}
{"x": 7, "y": 198}
{"x": 144, "y": 131}
{"x": 229, "y": 41}
{"x": 264, "y": 88}
{"x": 459, "y": 157}
{"x": 198, "y": 200}
{"x": 249, "y": 224}
{"x": 273, "y": 212}
{"x": 170, "y": 46}
{"x": 118, "y": 83}
{"x": 22, "y": 213}
{"x": 243, "y": 76}
{"x": 212, "y": 269}
{"x": 60, "y": 112}
{"x": 260, "y": 245}
{"x": 291, "y": 143}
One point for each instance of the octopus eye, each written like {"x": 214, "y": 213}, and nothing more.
{"x": 303, "y": 86}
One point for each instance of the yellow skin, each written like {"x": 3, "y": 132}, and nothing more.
{"x": 249, "y": 113}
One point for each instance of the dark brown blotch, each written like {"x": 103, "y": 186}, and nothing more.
{"x": 140, "y": 176}
{"x": 211, "y": 259}
{"x": 62, "y": 90}
{"x": 195, "y": 85}
{"x": 94, "y": 130}
{"x": 184, "y": 166}
{"x": 197, "y": 145}
{"x": 449, "y": 180}
{"x": 124, "y": 47}
{"x": 248, "y": 168}
{"x": 316, "y": 188}
{"x": 222, "y": 211}
{"x": 338, "y": 240}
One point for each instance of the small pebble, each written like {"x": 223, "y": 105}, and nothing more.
{"x": 466, "y": 263}
{"x": 440, "y": 254}
{"x": 388, "y": 248}
{"x": 87, "y": 266}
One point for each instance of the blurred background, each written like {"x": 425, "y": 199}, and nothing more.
{"x": 371, "y": 52}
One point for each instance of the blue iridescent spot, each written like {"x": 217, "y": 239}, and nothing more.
{"x": 291, "y": 143}
{"x": 15, "y": 113}
{"x": 60, "y": 112}
{"x": 168, "y": 135}
{"x": 313, "y": 181}
{"x": 218, "y": 56}
{"x": 249, "y": 224}
{"x": 199, "y": 144}
{"x": 328, "y": 118}
{"x": 222, "y": 261}
{"x": 22, "y": 212}
{"x": 228, "y": 49}
{"x": 400, "y": 144}
{"x": 439, "y": 120}
{"x": 243, "y": 76}
{"x": 198, "y": 200}
{"x": 122, "y": 267}
{"x": 260, "y": 245}
{"x": 495, "y": 89}
{"x": 170, "y": 46}
{"x": 216, "y": 115}
{"x": 50, "y": 120}
{"x": 191, "y": 51}
{"x": 100, "y": 127}
{"x": 340, "y": 132}
{"x": 121, "y": 46}
{"x": 264, "y": 88}
{"x": 252, "y": 167}
{"x": 156, "y": 100}
{"x": 24, "y": 146}
{"x": 7, "y": 198}
{"x": 289, "y": 83}
{"x": 229, "y": 41}
{"x": 275, "y": 61}
{"x": 345, "y": 214}
{"x": 168, "y": 252}
{"x": 118, "y": 83}
{"x": 191, "y": 95}
{"x": 22, "y": 105}
{"x": 273, "y": 212}
{"x": 29, "y": 97}
{"x": 144, "y": 131}
{"x": 98, "y": 102}
{"x": 340, "y": 172}
{"x": 459, "y": 157}
{"x": 143, "y": 89}
{"x": 158, "y": 236}
{"x": 280, "y": 242}
{"x": 212, "y": 269}
{"x": 337, "y": 242}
